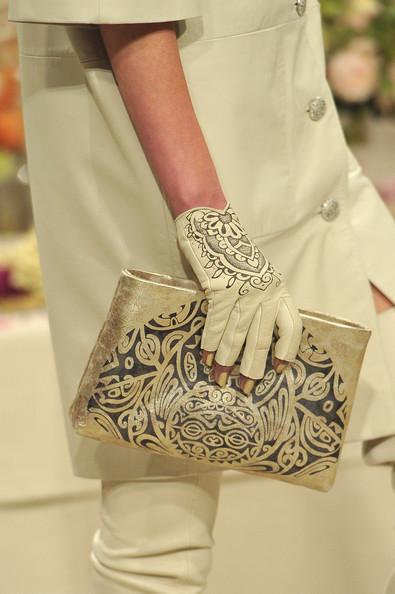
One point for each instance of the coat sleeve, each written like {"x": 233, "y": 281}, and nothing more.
{"x": 101, "y": 11}
{"x": 374, "y": 227}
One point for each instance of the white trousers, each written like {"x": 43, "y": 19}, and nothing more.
{"x": 155, "y": 535}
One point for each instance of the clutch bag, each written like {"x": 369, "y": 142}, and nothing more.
{"x": 145, "y": 386}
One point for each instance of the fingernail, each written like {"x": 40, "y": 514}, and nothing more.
{"x": 280, "y": 367}
{"x": 248, "y": 385}
{"x": 210, "y": 359}
{"x": 222, "y": 379}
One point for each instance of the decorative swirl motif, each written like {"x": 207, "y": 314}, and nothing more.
{"x": 159, "y": 395}
{"x": 228, "y": 250}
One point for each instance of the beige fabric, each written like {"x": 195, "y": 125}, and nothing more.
{"x": 155, "y": 537}
{"x": 252, "y": 68}
{"x": 381, "y": 450}
{"x": 352, "y": 524}
{"x": 280, "y": 539}
{"x": 101, "y": 11}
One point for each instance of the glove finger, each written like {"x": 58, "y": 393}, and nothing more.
{"x": 220, "y": 304}
{"x": 258, "y": 341}
{"x": 236, "y": 329}
{"x": 290, "y": 327}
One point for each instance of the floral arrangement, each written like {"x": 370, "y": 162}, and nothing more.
{"x": 359, "y": 39}
{"x": 21, "y": 284}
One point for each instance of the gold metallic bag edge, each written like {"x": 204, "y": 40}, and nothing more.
{"x": 145, "y": 386}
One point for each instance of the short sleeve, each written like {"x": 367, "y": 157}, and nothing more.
{"x": 101, "y": 11}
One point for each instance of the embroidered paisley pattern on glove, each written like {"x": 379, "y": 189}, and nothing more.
{"x": 246, "y": 295}
{"x": 227, "y": 251}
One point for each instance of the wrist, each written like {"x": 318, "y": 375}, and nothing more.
{"x": 205, "y": 199}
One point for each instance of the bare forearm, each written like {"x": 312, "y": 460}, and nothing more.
{"x": 147, "y": 66}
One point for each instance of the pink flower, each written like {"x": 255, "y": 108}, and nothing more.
{"x": 359, "y": 13}
{"x": 353, "y": 72}
{"x": 391, "y": 72}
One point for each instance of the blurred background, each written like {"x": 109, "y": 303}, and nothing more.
{"x": 359, "y": 37}
{"x": 47, "y": 515}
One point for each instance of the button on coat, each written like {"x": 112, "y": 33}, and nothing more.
{"x": 300, "y": 6}
{"x": 316, "y": 108}
{"x": 330, "y": 209}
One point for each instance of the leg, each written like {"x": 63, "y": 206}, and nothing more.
{"x": 155, "y": 535}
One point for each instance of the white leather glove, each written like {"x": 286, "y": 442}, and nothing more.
{"x": 246, "y": 295}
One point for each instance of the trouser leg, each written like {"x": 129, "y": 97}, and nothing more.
{"x": 155, "y": 536}
{"x": 382, "y": 450}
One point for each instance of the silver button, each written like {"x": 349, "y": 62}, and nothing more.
{"x": 316, "y": 108}
{"x": 330, "y": 209}
{"x": 300, "y": 6}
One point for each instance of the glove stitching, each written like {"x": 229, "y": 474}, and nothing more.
{"x": 248, "y": 370}
{"x": 282, "y": 299}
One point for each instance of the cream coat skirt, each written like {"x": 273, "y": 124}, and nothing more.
{"x": 256, "y": 74}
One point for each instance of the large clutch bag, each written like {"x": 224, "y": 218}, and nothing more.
{"x": 145, "y": 386}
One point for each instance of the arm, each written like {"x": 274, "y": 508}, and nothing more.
{"x": 246, "y": 296}
{"x": 147, "y": 66}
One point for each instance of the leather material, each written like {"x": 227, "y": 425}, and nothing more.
{"x": 246, "y": 295}
{"x": 145, "y": 386}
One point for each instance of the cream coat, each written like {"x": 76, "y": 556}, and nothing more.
{"x": 252, "y": 68}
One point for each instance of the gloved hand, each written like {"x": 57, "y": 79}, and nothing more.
{"x": 246, "y": 295}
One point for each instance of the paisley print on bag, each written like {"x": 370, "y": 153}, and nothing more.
{"x": 154, "y": 391}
